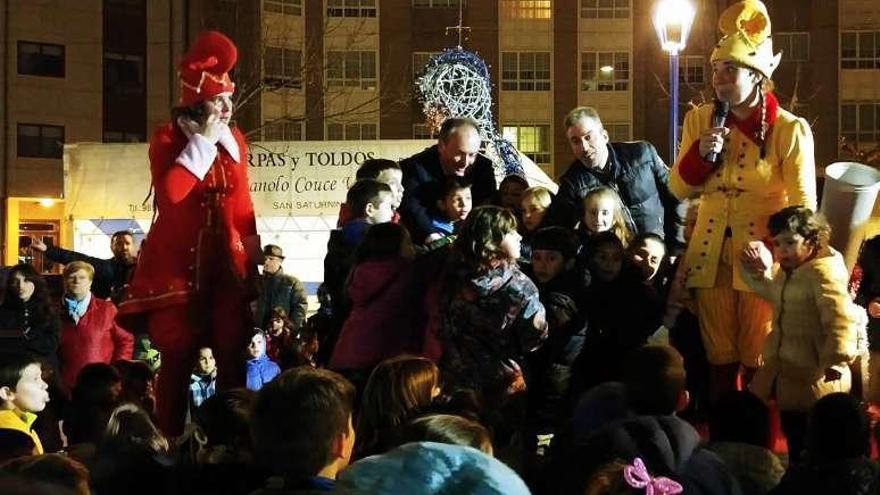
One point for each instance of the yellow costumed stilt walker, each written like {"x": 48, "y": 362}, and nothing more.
{"x": 759, "y": 160}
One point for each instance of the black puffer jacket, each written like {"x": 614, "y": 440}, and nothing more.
{"x": 640, "y": 178}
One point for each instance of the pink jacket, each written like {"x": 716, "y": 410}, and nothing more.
{"x": 386, "y": 317}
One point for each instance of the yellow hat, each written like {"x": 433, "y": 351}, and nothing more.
{"x": 745, "y": 29}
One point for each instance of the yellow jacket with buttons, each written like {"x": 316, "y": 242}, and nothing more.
{"x": 815, "y": 327}
{"x": 744, "y": 190}
{"x": 13, "y": 419}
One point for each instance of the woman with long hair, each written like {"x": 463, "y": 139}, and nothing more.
{"x": 28, "y": 317}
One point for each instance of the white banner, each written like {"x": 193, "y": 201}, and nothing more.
{"x": 297, "y": 178}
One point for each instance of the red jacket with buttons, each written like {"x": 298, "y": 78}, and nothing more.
{"x": 96, "y": 338}
{"x": 201, "y": 228}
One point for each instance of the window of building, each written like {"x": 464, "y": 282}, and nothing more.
{"x": 283, "y": 131}
{"x": 795, "y": 46}
{"x": 40, "y": 141}
{"x": 618, "y": 131}
{"x": 421, "y": 131}
{"x": 692, "y": 69}
{"x": 282, "y": 67}
{"x": 420, "y": 59}
{"x": 532, "y": 140}
{"x": 604, "y": 71}
{"x": 525, "y": 71}
{"x": 40, "y": 59}
{"x": 437, "y": 3}
{"x": 351, "y": 8}
{"x": 352, "y": 69}
{"x": 526, "y": 9}
{"x": 351, "y": 132}
{"x": 860, "y": 122}
{"x": 605, "y": 9}
{"x": 287, "y": 7}
{"x": 124, "y": 73}
{"x": 123, "y": 137}
{"x": 860, "y": 50}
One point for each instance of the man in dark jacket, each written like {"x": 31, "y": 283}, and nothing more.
{"x": 633, "y": 169}
{"x": 110, "y": 275}
{"x": 279, "y": 290}
{"x": 455, "y": 154}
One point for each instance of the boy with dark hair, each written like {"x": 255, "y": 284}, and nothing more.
{"x": 552, "y": 269}
{"x": 383, "y": 170}
{"x": 308, "y": 453}
{"x": 23, "y": 394}
{"x": 454, "y": 202}
{"x": 646, "y": 253}
{"x": 655, "y": 380}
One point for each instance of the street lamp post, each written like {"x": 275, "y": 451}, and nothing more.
{"x": 673, "y": 20}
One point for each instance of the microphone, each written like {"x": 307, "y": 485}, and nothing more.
{"x": 718, "y": 117}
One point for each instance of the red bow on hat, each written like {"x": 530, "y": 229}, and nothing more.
{"x": 204, "y": 70}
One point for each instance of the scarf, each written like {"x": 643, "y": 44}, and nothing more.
{"x": 77, "y": 308}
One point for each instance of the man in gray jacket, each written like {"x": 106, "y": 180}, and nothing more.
{"x": 279, "y": 290}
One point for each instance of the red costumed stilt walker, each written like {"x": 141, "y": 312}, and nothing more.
{"x": 194, "y": 278}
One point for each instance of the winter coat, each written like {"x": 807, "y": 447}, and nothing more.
{"x": 745, "y": 189}
{"x": 284, "y": 291}
{"x": 96, "y": 338}
{"x": 668, "y": 446}
{"x": 814, "y": 328}
{"x": 422, "y": 180}
{"x": 386, "y": 317}
{"x": 486, "y": 320}
{"x": 638, "y": 175}
{"x": 260, "y": 371}
{"x": 37, "y": 336}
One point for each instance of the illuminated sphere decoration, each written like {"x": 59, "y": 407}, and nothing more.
{"x": 456, "y": 83}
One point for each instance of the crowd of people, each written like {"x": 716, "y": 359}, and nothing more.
{"x": 644, "y": 329}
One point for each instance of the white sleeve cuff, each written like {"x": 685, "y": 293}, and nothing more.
{"x": 198, "y": 155}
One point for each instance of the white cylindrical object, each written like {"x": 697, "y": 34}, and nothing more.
{"x": 848, "y": 199}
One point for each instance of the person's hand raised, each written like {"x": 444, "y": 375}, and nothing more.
{"x": 37, "y": 244}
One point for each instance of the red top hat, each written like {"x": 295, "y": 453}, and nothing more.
{"x": 204, "y": 70}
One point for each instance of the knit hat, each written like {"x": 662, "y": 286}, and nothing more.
{"x": 556, "y": 239}
{"x": 204, "y": 70}
{"x": 745, "y": 29}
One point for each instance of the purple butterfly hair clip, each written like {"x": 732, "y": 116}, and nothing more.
{"x": 637, "y": 476}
